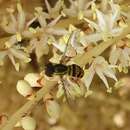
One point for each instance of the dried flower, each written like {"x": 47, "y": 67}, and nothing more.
{"x": 3, "y": 118}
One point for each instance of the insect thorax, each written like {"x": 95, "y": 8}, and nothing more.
{"x": 60, "y": 69}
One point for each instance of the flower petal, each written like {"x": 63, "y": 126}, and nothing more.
{"x": 20, "y": 54}
{"x": 102, "y": 77}
{"x": 88, "y": 77}
{"x": 101, "y": 20}
{"x": 16, "y": 65}
{"x": 91, "y": 38}
{"x": 92, "y": 24}
{"x": 114, "y": 56}
{"x": 116, "y": 31}
{"x": 109, "y": 73}
{"x": 21, "y": 17}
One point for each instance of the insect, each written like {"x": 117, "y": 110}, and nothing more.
{"x": 73, "y": 70}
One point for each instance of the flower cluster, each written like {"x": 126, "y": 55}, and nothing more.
{"x": 63, "y": 33}
{"x": 43, "y": 35}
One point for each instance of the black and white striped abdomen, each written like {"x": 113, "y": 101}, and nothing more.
{"x": 75, "y": 71}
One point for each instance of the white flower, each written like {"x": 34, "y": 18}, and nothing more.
{"x": 78, "y": 8}
{"x": 39, "y": 46}
{"x": 48, "y": 27}
{"x": 15, "y": 25}
{"x": 102, "y": 69}
{"x": 75, "y": 41}
{"x": 39, "y": 42}
{"x": 106, "y": 26}
{"x": 15, "y": 52}
{"x": 63, "y": 44}
{"x": 71, "y": 42}
{"x": 54, "y": 11}
{"x": 120, "y": 57}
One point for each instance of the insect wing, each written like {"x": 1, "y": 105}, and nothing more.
{"x": 67, "y": 93}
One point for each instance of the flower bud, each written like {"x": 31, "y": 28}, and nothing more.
{"x": 28, "y": 123}
{"x": 32, "y": 79}
{"x": 24, "y": 88}
{"x": 53, "y": 108}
